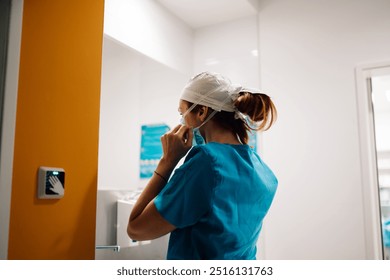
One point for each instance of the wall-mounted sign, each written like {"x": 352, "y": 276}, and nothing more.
{"x": 151, "y": 148}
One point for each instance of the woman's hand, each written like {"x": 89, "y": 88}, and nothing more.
{"x": 176, "y": 143}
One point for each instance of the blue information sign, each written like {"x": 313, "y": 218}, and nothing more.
{"x": 151, "y": 148}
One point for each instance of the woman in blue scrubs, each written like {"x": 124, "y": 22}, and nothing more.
{"x": 214, "y": 204}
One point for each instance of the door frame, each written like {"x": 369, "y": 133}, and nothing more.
{"x": 5, "y": 11}
{"x": 368, "y": 158}
{"x": 8, "y": 120}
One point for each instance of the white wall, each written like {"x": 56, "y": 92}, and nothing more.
{"x": 161, "y": 88}
{"x": 308, "y": 54}
{"x": 150, "y": 29}
{"x": 229, "y": 48}
{"x": 135, "y": 91}
{"x": 119, "y": 117}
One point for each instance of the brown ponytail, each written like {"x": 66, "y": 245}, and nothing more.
{"x": 260, "y": 110}
{"x": 258, "y": 107}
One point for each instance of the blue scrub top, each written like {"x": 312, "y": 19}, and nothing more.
{"x": 217, "y": 201}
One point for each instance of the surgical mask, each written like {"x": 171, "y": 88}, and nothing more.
{"x": 197, "y": 136}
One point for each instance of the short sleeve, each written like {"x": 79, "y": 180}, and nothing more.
{"x": 188, "y": 194}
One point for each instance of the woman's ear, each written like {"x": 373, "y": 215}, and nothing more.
{"x": 202, "y": 113}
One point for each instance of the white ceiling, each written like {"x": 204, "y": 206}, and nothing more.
{"x": 200, "y": 13}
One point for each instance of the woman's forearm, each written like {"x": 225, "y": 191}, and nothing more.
{"x": 153, "y": 188}
{"x": 145, "y": 222}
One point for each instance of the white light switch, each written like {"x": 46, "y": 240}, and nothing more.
{"x": 51, "y": 182}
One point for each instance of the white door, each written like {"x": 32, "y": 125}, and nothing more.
{"x": 380, "y": 85}
{"x": 373, "y": 84}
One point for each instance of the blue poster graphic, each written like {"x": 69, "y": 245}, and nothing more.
{"x": 151, "y": 148}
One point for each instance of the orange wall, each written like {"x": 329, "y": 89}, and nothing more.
{"x": 57, "y": 125}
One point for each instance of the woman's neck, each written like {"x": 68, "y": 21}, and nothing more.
{"x": 216, "y": 133}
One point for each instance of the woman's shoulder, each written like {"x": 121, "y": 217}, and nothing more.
{"x": 215, "y": 152}
{"x": 203, "y": 156}
{"x": 199, "y": 152}
{"x": 211, "y": 149}
{"x": 198, "y": 161}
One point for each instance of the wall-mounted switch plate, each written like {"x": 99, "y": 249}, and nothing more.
{"x": 51, "y": 182}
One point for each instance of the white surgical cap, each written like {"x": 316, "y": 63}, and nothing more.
{"x": 214, "y": 91}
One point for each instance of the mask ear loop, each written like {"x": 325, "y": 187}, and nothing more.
{"x": 189, "y": 110}
{"x": 207, "y": 119}
{"x": 215, "y": 111}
